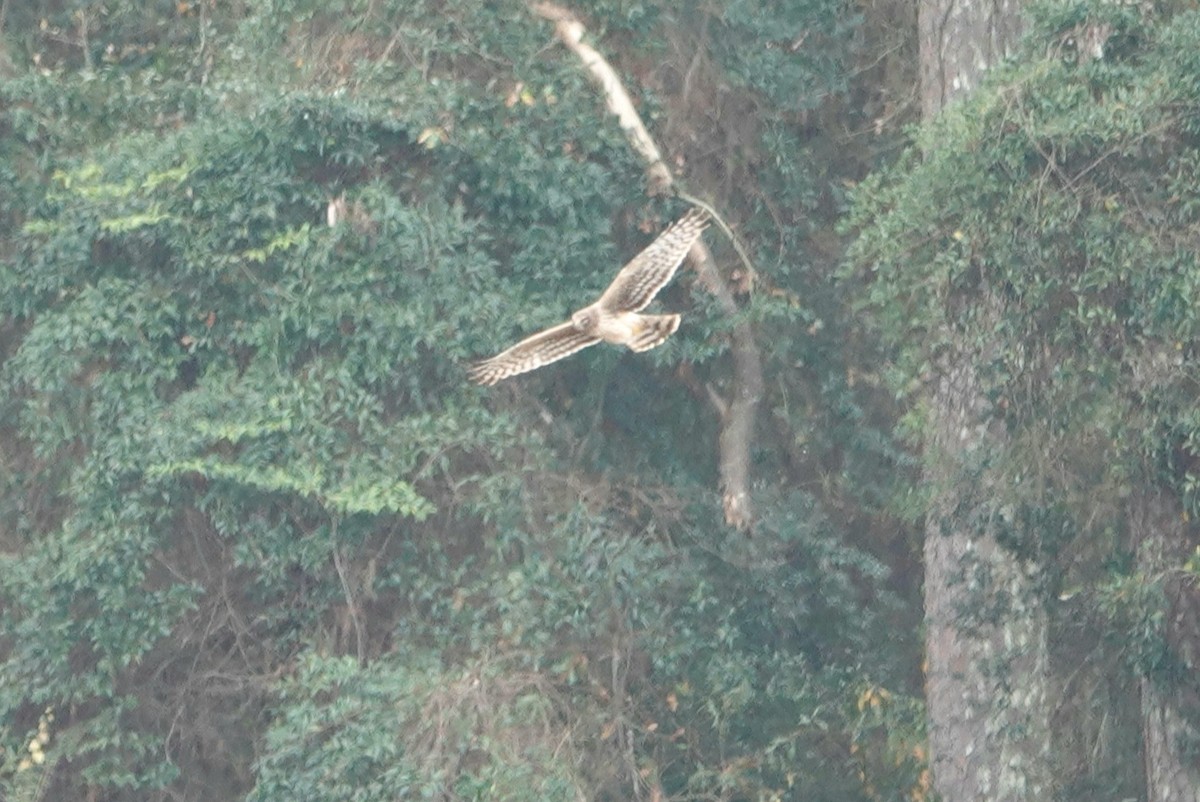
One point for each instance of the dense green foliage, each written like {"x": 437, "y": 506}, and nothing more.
{"x": 1053, "y": 230}
{"x": 260, "y": 537}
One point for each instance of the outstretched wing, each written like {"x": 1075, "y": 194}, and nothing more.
{"x": 648, "y": 272}
{"x": 531, "y": 353}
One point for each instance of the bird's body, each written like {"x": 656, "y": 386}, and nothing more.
{"x": 624, "y": 328}
{"x": 615, "y": 317}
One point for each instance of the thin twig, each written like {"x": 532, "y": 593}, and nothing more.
{"x": 354, "y": 619}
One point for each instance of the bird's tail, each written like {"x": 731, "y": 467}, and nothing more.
{"x": 653, "y": 330}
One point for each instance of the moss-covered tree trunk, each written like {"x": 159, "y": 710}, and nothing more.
{"x": 985, "y": 629}
{"x": 1172, "y": 771}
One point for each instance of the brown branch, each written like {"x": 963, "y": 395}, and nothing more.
{"x": 351, "y": 604}
{"x": 739, "y": 413}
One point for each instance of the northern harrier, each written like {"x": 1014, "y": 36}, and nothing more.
{"x": 614, "y": 317}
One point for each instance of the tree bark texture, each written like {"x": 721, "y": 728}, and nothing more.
{"x": 985, "y": 642}
{"x": 1172, "y": 769}
{"x": 959, "y": 41}
{"x": 985, "y": 625}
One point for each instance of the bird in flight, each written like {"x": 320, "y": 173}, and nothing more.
{"x": 614, "y": 317}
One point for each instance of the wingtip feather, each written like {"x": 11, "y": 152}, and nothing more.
{"x": 484, "y": 373}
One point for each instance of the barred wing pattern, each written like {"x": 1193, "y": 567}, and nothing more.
{"x": 648, "y": 272}
{"x": 614, "y": 317}
{"x": 531, "y": 353}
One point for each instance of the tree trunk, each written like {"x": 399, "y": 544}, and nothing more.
{"x": 959, "y": 40}
{"x": 985, "y": 625}
{"x": 1172, "y": 774}
{"x": 985, "y": 643}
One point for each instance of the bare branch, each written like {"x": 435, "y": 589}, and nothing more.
{"x": 351, "y": 604}
{"x": 738, "y": 414}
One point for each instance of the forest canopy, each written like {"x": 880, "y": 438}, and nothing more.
{"x": 261, "y": 539}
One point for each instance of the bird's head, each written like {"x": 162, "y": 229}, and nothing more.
{"x": 585, "y": 319}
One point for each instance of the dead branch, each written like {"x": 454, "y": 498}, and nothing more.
{"x": 739, "y": 413}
